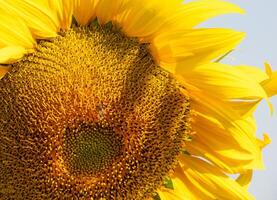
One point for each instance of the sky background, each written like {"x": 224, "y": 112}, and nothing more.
{"x": 260, "y": 45}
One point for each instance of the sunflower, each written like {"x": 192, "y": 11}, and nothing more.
{"x": 125, "y": 99}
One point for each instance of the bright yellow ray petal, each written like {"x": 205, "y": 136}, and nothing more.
{"x": 11, "y": 54}
{"x": 143, "y": 18}
{"x": 265, "y": 141}
{"x": 37, "y": 16}
{"x": 229, "y": 139}
{"x": 84, "y": 10}
{"x": 231, "y": 150}
{"x": 182, "y": 190}
{"x": 244, "y": 108}
{"x": 64, "y": 11}
{"x": 167, "y": 194}
{"x": 268, "y": 69}
{"x": 107, "y": 9}
{"x": 179, "y": 191}
{"x": 270, "y": 85}
{"x": 186, "y": 48}
{"x": 255, "y": 73}
{"x": 13, "y": 31}
{"x": 267, "y": 79}
{"x": 245, "y": 178}
{"x": 208, "y": 182}
{"x": 195, "y": 12}
{"x": 223, "y": 81}
{"x": 3, "y": 71}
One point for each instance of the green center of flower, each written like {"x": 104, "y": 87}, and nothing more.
{"x": 88, "y": 149}
{"x": 89, "y": 115}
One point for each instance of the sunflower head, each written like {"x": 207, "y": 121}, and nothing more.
{"x": 123, "y": 100}
{"x": 94, "y": 117}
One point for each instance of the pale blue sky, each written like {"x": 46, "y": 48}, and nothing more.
{"x": 260, "y": 44}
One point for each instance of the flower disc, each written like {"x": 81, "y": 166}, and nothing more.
{"x": 89, "y": 115}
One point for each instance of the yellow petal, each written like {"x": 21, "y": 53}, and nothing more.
{"x": 195, "y": 12}
{"x": 245, "y": 178}
{"x": 187, "y": 48}
{"x": 36, "y": 14}
{"x": 267, "y": 79}
{"x": 143, "y": 18}
{"x": 166, "y": 194}
{"x": 13, "y": 31}
{"x": 63, "y": 10}
{"x": 223, "y": 81}
{"x": 179, "y": 191}
{"x": 270, "y": 85}
{"x": 107, "y": 9}
{"x": 84, "y": 10}
{"x": 222, "y": 135}
{"x": 265, "y": 141}
{"x": 230, "y": 149}
{"x": 182, "y": 190}
{"x": 11, "y": 54}
{"x": 207, "y": 182}
{"x": 245, "y": 108}
{"x": 3, "y": 71}
{"x": 255, "y": 73}
{"x": 268, "y": 69}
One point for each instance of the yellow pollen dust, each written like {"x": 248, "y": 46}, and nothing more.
{"x": 89, "y": 115}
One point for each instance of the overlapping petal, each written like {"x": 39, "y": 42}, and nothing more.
{"x": 270, "y": 85}
{"x": 63, "y": 9}
{"x": 196, "y": 12}
{"x": 244, "y": 179}
{"x": 144, "y": 18}
{"x": 14, "y": 31}
{"x": 36, "y": 14}
{"x": 11, "y": 54}
{"x": 106, "y": 10}
{"x": 231, "y": 149}
{"x": 166, "y": 194}
{"x": 180, "y": 50}
{"x": 223, "y": 81}
{"x": 84, "y": 10}
{"x": 267, "y": 78}
{"x": 15, "y": 38}
{"x": 222, "y": 135}
{"x": 207, "y": 182}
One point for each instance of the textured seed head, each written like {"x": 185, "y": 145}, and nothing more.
{"x": 89, "y": 115}
{"x": 90, "y": 148}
